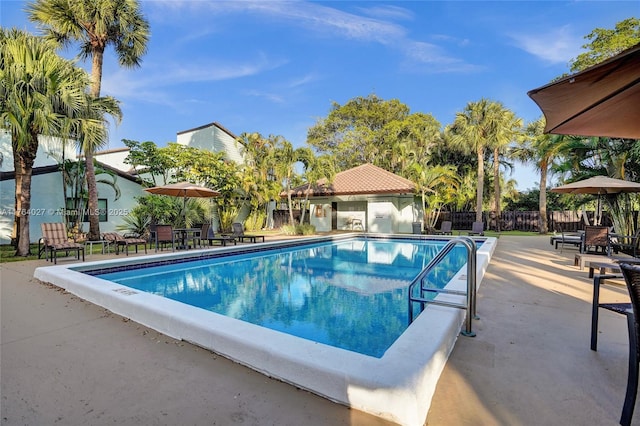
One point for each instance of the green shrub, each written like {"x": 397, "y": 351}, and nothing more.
{"x": 289, "y": 230}
{"x": 256, "y": 220}
{"x": 305, "y": 229}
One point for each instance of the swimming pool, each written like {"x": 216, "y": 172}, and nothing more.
{"x": 396, "y": 383}
{"x": 348, "y": 294}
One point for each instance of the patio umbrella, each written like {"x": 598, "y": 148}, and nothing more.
{"x": 599, "y": 185}
{"x": 603, "y": 100}
{"x": 184, "y": 190}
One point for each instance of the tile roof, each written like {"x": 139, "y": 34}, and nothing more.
{"x": 363, "y": 179}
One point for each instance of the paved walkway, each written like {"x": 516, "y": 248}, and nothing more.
{"x": 66, "y": 361}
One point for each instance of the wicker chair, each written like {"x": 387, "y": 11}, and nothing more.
{"x": 596, "y": 237}
{"x": 631, "y": 274}
{"x": 164, "y": 236}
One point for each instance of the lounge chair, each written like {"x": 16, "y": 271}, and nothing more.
{"x": 206, "y": 233}
{"x": 445, "y": 228}
{"x": 477, "y": 228}
{"x": 54, "y": 239}
{"x": 596, "y": 238}
{"x": 567, "y": 237}
{"x": 164, "y": 236}
{"x": 238, "y": 234}
{"x": 124, "y": 240}
{"x": 627, "y": 244}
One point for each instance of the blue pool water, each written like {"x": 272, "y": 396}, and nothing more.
{"x": 349, "y": 294}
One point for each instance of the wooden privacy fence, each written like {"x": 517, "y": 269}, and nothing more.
{"x": 524, "y": 220}
{"x": 567, "y": 220}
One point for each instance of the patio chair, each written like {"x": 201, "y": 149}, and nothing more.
{"x": 596, "y": 238}
{"x": 445, "y": 228}
{"x": 631, "y": 274}
{"x": 54, "y": 239}
{"x": 620, "y": 308}
{"x": 568, "y": 237}
{"x": 206, "y": 233}
{"x": 477, "y": 228}
{"x": 165, "y": 236}
{"x": 238, "y": 233}
{"x": 627, "y": 244}
{"x": 125, "y": 241}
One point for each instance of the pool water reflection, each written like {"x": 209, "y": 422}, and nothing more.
{"x": 348, "y": 294}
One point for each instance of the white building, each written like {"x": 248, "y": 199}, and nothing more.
{"x": 47, "y": 196}
{"x": 365, "y": 198}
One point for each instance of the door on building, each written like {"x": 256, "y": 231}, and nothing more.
{"x": 334, "y": 216}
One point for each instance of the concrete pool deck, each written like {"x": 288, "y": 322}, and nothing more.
{"x": 68, "y": 361}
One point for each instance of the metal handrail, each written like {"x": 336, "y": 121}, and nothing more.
{"x": 470, "y": 304}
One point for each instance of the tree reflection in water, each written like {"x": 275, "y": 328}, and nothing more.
{"x": 352, "y": 295}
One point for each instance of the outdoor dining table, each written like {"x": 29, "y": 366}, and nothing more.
{"x": 182, "y": 235}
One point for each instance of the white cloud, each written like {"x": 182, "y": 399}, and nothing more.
{"x": 388, "y": 12}
{"x": 126, "y": 84}
{"x": 553, "y": 46}
{"x": 332, "y": 22}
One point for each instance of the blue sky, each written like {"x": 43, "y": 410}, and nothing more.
{"x": 276, "y": 67}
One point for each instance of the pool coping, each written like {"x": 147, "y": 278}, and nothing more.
{"x": 398, "y": 386}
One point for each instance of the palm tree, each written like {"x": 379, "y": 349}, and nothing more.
{"x": 474, "y": 129}
{"x": 40, "y": 94}
{"x": 285, "y": 157}
{"x": 508, "y": 130}
{"x": 541, "y": 149}
{"x": 315, "y": 169}
{"x": 437, "y": 186}
{"x": 95, "y": 24}
{"x": 258, "y": 172}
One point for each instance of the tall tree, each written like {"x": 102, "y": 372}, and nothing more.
{"x": 474, "y": 129}
{"x": 285, "y": 157}
{"x": 605, "y": 43}
{"x": 437, "y": 187}
{"x": 508, "y": 131}
{"x": 354, "y": 132}
{"x": 40, "y": 94}
{"x": 539, "y": 149}
{"x": 315, "y": 169}
{"x": 95, "y": 24}
{"x": 258, "y": 175}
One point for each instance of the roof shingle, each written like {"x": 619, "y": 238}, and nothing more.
{"x": 363, "y": 179}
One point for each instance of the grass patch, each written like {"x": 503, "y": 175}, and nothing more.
{"x": 7, "y": 253}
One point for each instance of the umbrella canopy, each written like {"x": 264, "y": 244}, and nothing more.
{"x": 598, "y": 185}
{"x": 184, "y": 190}
{"x": 603, "y": 100}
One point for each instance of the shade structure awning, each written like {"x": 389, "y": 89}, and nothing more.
{"x": 183, "y": 189}
{"x": 598, "y": 185}
{"x": 603, "y": 100}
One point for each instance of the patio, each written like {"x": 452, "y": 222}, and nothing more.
{"x": 70, "y": 361}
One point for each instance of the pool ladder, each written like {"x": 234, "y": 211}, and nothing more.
{"x": 470, "y": 294}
